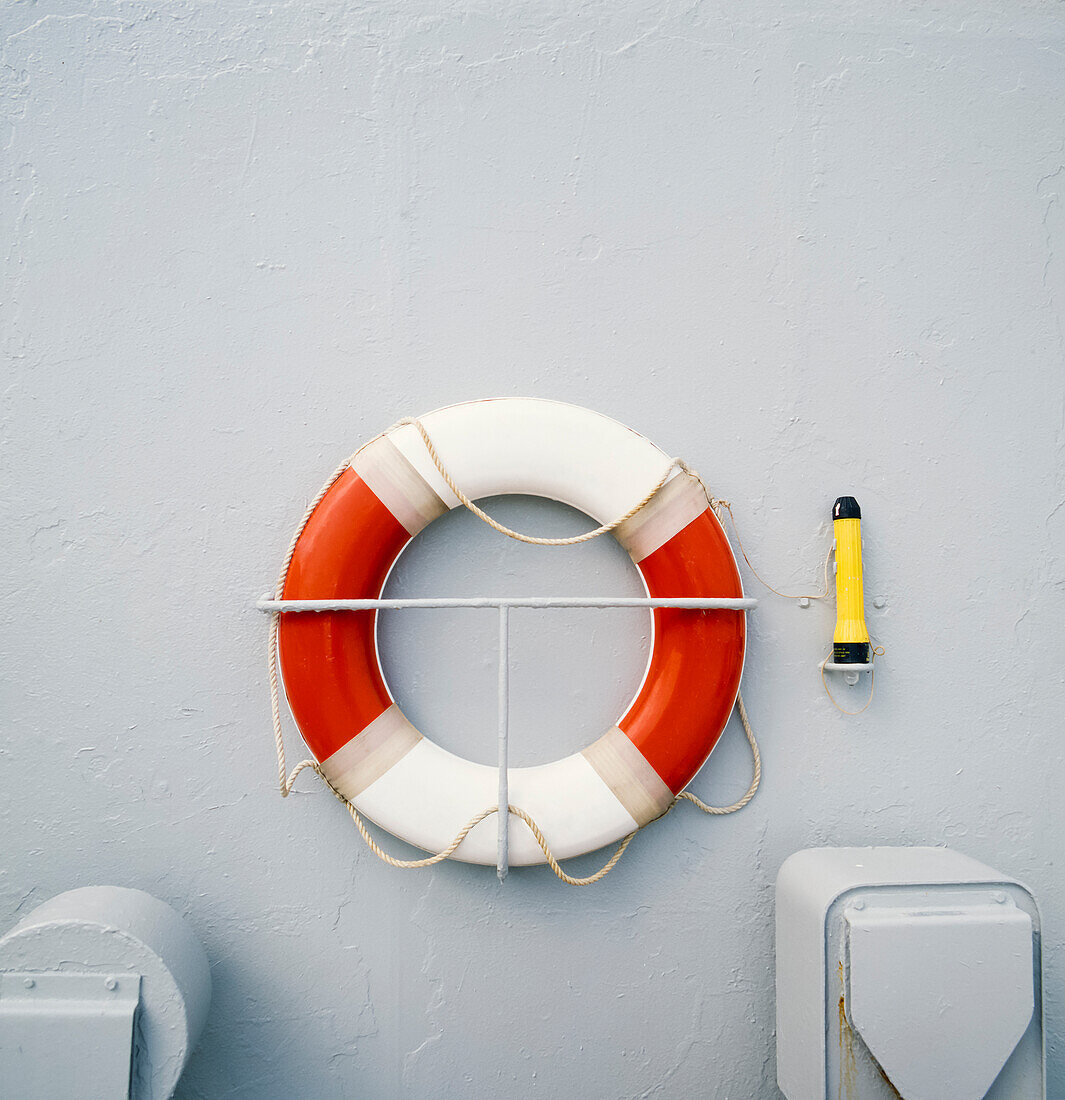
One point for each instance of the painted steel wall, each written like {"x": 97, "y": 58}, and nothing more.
{"x": 814, "y": 250}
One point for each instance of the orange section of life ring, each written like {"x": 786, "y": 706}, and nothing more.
{"x": 697, "y": 659}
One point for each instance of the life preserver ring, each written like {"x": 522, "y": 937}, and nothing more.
{"x": 367, "y": 748}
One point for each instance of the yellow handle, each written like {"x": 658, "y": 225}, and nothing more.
{"x": 850, "y": 643}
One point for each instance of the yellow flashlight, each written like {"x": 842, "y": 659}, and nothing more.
{"x": 850, "y": 643}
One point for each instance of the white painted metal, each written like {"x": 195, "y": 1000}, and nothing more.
{"x": 539, "y": 603}
{"x": 124, "y": 935}
{"x": 820, "y": 896}
{"x": 541, "y": 786}
{"x": 67, "y": 1036}
{"x": 940, "y": 995}
{"x": 503, "y": 706}
{"x": 851, "y": 673}
{"x": 607, "y": 819}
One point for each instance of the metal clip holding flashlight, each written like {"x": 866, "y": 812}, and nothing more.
{"x": 851, "y": 650}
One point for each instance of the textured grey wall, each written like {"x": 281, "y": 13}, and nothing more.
{"x": 813, "y": 250}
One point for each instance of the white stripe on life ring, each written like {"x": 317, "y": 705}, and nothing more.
{"x": 635, "y": 784}
{"x": 670, "y": 510}
{"x": 365, "y": 758}
{"x": 397, "y": 484}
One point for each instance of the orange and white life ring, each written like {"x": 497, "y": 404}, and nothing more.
{"x": 367, "y": 748}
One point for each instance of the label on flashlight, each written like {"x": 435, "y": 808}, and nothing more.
{"x": 850, "y": 653}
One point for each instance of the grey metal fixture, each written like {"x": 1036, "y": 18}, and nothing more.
{"x": 912, "y": 972}
{"x": 103, "y": 994}
{"x": 503, "y": 605}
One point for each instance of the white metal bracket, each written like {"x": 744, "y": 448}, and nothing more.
{"x": 67, "y": 1034}
{"x": 504, "y": 604}
{"x": 850, "y": 672}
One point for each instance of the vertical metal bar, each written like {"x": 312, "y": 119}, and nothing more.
{"x": 503, "y": 817}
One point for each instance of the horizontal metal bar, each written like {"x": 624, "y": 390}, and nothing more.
{"x": 692, "y": 603}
